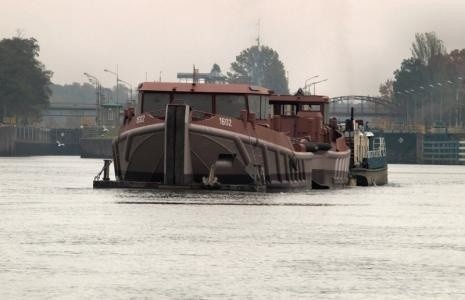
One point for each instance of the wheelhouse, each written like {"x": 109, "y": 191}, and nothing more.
{"x": 291, "y": 106}
{"x": 299, "y": 115}
{"x": 210, "y": 99}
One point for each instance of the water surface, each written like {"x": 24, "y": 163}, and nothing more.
{"x": 59, "y": 238}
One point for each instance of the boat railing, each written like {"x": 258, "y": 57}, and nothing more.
{"x": 159, "y": 113}
{"x": 196, "y": 114}
{"x": 376, "y": 153}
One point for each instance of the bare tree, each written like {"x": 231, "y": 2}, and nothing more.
{"x": 426, "y": 47}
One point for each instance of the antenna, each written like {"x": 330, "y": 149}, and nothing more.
{"x": 194, "y": 75}
{"x": 258, "y": 35}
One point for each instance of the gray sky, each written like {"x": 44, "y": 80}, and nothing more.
{"x": 356, "y": 44}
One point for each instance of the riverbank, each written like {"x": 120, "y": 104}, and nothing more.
{"x": 31, "y": 141}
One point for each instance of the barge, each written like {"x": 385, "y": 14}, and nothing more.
{"x": 226, "y": 136}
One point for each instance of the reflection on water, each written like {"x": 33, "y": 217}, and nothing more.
{"x": 59, "y": 238}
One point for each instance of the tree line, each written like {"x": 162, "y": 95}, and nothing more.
{"x": 24, "y": 80}
{"x": 86, "y": 93}
{"x": 428, "y": 87}
{"x": 26, "y": 88}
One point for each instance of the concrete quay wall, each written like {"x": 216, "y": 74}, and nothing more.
{"x": 96, "y": 147}
{"x": 26, "y": 141}
{"x": 7, "y": 140}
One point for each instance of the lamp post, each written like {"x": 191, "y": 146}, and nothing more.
{"x": 402, "y": 96}
{"x": 117, "y": 81}
{"x": 308, "y": 79}
{"x": 130, "y": 91}
{"x": 407, "y": 119}
{"x": 458, "y": 118}
{"x": 440, "y": 101}
{"x": 412, "y": 95}
{"x": 448, "y": 101}
{"x": 431, "y": 94}
{"x": 98, "y": 88}
{"x": 315, "y": 83}
{"x": 422, "y": 105}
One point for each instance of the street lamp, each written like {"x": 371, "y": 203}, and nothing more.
{"x": 98, "y": 88}
{"x": 459, "y": 112}
{"x": 308, "y": 79}
{"x": 431, "y": 100}
{"x": 403, "y": 98}
{"x": 130, "y": 86}
{"x": 117, "y": 81}
{"x": 315, "y": 83}
{"x": 413, "y": 120}
{"x": 440, "y": 101}
{"x": 407, "y": 94}
{"x": 422, "y": 105}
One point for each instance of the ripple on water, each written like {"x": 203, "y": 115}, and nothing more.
{"x": 59, "y": 238}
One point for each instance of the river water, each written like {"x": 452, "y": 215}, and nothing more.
{"x": 59, "y": 238}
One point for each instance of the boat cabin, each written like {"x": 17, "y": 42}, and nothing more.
{"x": 299, "y": 115}
{"x": 207, "y": 99}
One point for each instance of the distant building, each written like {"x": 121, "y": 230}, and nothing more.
{"x": 72, "y": 115}
{"x": 68, "y": 115}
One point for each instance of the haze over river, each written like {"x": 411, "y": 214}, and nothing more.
{"x": 59, "y": 238}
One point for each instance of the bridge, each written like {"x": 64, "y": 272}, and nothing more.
{"x": 364, "y": 106}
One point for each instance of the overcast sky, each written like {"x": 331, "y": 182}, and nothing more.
{"x": 356, "y": 44}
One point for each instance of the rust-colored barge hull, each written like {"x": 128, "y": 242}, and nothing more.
{"x": 213, "y": 136}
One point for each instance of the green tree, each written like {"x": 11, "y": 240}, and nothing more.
{"x": 73, "y": 93}
{"x": 24, "y": 88}
{"x": 457, "y": 61}
{"x": 259, "y": 65}
{"x": 412, "y": 74}
{"x": 215, "y": 68}
{"x": 428, "y": 85}
{"x": 386, "y": 90}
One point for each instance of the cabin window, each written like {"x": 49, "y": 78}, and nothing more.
{"x": 199, "y": 102}
{"x": 310, "y": 107}
{"x": 288, "y": 110}
{"x": 230, "y": 105}
{"x": 264, "y": 107}
{"x": 139, "y": 104}
{"x": 259, "y": 105}
{"x": 254, "y": 105}
{"x": 276, "y": 108}
{"x": 153, "y": 102}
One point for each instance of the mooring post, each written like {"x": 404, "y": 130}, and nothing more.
{"x": 106, "y": 169}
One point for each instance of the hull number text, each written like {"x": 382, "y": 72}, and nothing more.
{"x": 140, "y": 119}
{"x": 226, "y": 122}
